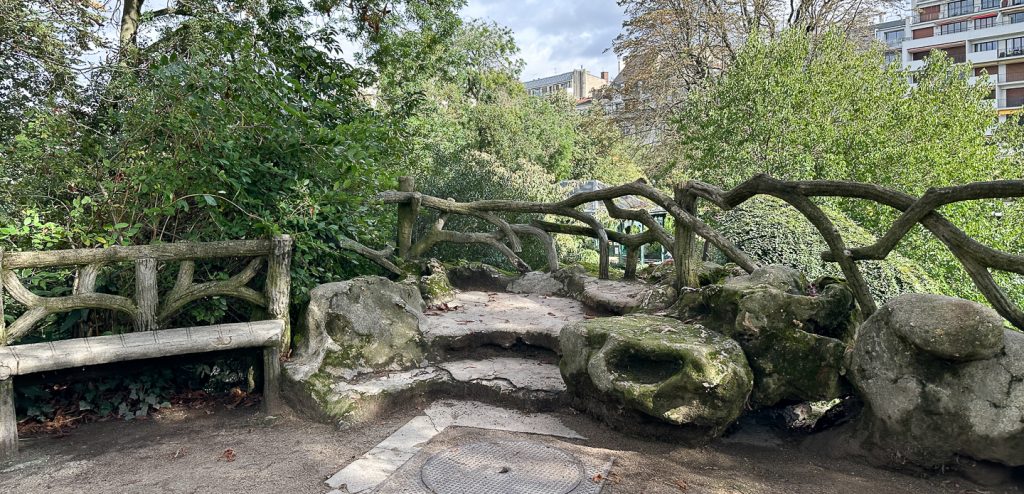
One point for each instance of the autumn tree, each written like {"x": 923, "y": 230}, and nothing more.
{"x": 671, "y": 46}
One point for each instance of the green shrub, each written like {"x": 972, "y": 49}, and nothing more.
{"x": 773, "y": 232}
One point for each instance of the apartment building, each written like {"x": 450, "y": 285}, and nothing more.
{"x": 578, "y": 84}
{"x": 891, "y": 34}
{"x": 987, "y": 33}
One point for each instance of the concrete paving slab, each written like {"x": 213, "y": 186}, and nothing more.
{"x": 376, "y": 465}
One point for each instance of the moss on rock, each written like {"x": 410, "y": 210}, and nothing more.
{"x": 794, "y": 342}
{"x": 681, "y": 374}
{"x": 434, "y": 286}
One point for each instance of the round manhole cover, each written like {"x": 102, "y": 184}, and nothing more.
{"x": 508, "y": 467}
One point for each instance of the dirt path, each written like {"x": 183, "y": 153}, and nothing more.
{"x": 183, "y": 451}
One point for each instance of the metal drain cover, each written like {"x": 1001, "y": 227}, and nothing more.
{"x": 506, "y": 467}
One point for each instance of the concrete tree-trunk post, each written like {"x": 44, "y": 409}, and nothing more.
{"x": 272, "y": 380}
{"x": 406, "y": 217}
{"x": 8, "y": 421}
{"x": 146, "y": 296}
{"x": 685, "y": 252}
{"x": 3, "y": 323}
{"x": 279, "y": 284}
{"x": 631, "y": 260}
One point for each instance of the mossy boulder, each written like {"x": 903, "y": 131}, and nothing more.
{"x": 940, "y": 378}
{"x": 434, "y": 286}
{"x": 794, "y": 333}
{"x": 354, "y": 327}
{"x": 679, "y": 374}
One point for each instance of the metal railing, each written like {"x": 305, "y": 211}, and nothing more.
{"x": 959, "y": 11}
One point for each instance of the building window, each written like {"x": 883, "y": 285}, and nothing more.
{"x": 954, "y": 27}
{"x": 1013, "y": 47}
{"x": 892, "y": 37}
{"x": 986, "y": 22}
{"x": 989, "y": 4}
{"x": 1015, "y": 18}
{"x": 921, "y": 55}
{"x": 986, "y": 46}
{"x": 959, "y": 8}
{"x": 892, "y": 57}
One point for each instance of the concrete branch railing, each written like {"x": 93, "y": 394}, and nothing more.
{"x": 148, "y": 311}
{"x": 976, "y": 258}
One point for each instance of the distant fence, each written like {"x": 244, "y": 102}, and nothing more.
{"x": 976, "y": 258}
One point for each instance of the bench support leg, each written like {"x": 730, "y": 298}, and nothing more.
{"x": 8, "y": 421}
{"x": 272, "y": 380}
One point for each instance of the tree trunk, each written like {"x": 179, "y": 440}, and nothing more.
{"x": 131, "y": 16}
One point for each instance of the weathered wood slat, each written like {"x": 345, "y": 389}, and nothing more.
{"x": 177, "y": 251}
{"x": 40, "y": 357}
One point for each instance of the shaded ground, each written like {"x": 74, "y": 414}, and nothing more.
{"x": 183, "y": 451}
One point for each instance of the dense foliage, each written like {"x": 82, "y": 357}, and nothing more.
{"x": 821, "y": 107}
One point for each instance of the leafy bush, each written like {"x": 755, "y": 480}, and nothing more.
{"x": 127, "y": 395}
{"x": 773, "y": 232}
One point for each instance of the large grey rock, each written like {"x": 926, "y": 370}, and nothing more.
{"x": 947, "y": 327}
{"x": 354, "y": 327}
{"x": 677, "y": 373}
{"x": 920, "y": 365}
{"x": 536, "y": 282}
{"x": 793, "y": 337}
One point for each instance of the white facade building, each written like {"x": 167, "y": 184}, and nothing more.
{"x": 987, "y": 33}
{"x": 578, "y": 84}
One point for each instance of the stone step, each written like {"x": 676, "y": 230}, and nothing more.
{"x": 496, "y": 318}
{"x": 524, "y": 384}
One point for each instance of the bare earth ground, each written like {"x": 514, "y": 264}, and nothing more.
{"x": 183, "y": 451}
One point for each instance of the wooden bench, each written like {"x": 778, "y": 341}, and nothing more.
{"x": 148, "y": 311}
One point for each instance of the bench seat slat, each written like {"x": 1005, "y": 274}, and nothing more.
{"x": 40, "y": 357}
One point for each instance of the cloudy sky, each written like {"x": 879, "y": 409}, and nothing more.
{"x": 556, "y": 36}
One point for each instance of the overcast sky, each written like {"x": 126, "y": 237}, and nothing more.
{"x": 556, "y": 36}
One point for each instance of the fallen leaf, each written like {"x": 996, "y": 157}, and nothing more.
{"x": 682, "y": 485}
{"x": 228, "y": 455}
{"x": 179, "y": 453}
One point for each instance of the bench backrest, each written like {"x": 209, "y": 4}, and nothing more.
{"x": 148, "y": 309}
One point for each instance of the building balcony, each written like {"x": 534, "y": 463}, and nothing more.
{"x": 1008, "y": 103}
{"x": 1011, "y": 52}
{"x": 1010, "y": 78}
{"x": 977, "y": 57}
{"x": 991, "y": 79}
{"x": 947, "y": 13}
